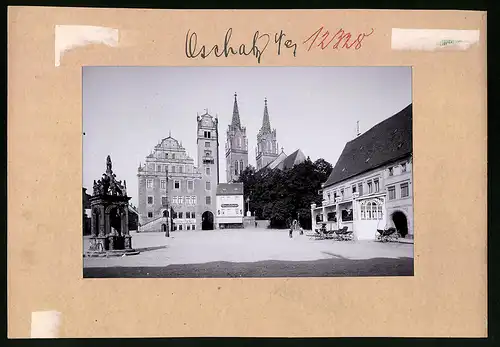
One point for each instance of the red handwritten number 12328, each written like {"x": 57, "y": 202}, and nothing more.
{"x": 340, "y": 37}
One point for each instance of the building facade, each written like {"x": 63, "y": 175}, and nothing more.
{"x": 267, "y": 146}
{"x": 173, "y": 190}
{"x": 236, "y": 146}
{"x": 230, "y": 205}
{"x": 371, "y": 186}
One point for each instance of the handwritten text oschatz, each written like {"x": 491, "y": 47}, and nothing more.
{"x": 257, "y": 48}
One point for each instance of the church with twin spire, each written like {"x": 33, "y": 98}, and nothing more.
{"x": 267, "y": 153}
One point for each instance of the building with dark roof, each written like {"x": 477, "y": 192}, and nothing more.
{"x": 285, "y": 162}
{"x": 370, "y": 186}
{"x": 230, "y": 205}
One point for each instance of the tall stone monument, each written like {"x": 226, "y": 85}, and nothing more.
{"x": 109, "y": 205}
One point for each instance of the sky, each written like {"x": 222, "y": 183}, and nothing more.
{"x": 128, "y": 110}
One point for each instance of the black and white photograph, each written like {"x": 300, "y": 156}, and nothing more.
{"x": 234, "y": 172}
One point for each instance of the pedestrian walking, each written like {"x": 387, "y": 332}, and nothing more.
{"x": 293, "y": 227}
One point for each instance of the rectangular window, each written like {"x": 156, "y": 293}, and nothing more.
{"x": 150, "y": 200}
{"x": 163, "y": 184}
{"x": 181, "y": 200}
{"x": 328, "y": 196}
{"x": 403, "y": 167}
{"x": 193, "y": 227}
{"x": 342, "y": 194}
{"x": 360, "y": 188}
{"x": 404, "y": 190}
{"x": 190, "y": 185}
{"x": 334, "y": 196}
{"x": 172, "y": 169}
{"x": 180, "y": 169}
{"x": 370, "y": 187}
{"x": 174, "y": 215}
{"x": 177, "y": 185}
{"x": 180, "y": 227}
{"x": 207, "y": 170}
{"x": 164, "y": 201}
{"x": 392, "y": 192}
{"x": 391, "y": 171}
{"x": 173, "y": 155}
{"x": 150, "y": 214}
{"x": 194, "y": 200}
{"x": 207, "y": 144}
{"x": 347, "y": 215}
{"x": 175, "y": 227}
{"x": 377, "y": 185}
{"x": 180, "y": 215}
{"x": 353, "y": 189}
{"x": 331, "y": 216}
{"x": 188, "y": 227}
{"x": 208, "y": 200}
{"x": 174, "y": 200}
{"x": 149, "y": 183}
{"x": 188, "y": 200}
{"x": 207, "y": 185}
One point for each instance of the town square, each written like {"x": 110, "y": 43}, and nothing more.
{"x": 268, "y": 193}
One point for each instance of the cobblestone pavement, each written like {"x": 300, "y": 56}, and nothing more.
{"x": 252, "y": 253}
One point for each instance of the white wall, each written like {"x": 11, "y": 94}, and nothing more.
{"x": 230, "y": 209}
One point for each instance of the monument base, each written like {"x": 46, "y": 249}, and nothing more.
{"x": 111, "y": 253}
{"x": 110, "y": 246}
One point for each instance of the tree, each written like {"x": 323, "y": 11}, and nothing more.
{"x": 323, "y": 167}
{"x": 281, "y": 196}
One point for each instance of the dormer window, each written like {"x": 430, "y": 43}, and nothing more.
{"x": 391, "y": 171}
{"x": 403, "y": 167}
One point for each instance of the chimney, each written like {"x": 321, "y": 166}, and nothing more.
{"x": 357, "y": 129}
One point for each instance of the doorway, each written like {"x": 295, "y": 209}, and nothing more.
{"x": 400, "y": 222}
{"x": 207, "y": 221}
{"x": 115, "y": 220}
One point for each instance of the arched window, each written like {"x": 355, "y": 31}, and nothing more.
{"x": 241, "y": 166}
{"x": 371, "y": 210}
{"x": 236, "y": 167}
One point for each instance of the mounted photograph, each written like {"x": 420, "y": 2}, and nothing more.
{"x": 203, "y": 172}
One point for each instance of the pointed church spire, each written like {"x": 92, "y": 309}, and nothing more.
{"x": 266, "y": 124}
{"x": 235, "y": 123}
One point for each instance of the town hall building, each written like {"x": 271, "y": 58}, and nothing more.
{"x": 175, "y": 193}
{"x": 371, "y": 186}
